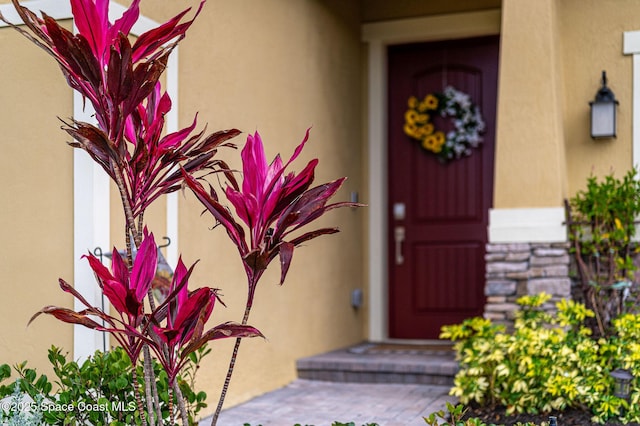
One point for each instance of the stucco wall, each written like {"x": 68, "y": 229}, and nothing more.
{"x": 36, "y": 218}
{"x": 274, "y": 66}
{"x": 530, "y": 167}
{"x": 279, "y": 67}
{"x": 591, "y": 34}
{"x": 553, "y": 53}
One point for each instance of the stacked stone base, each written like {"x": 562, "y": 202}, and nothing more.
{"x": 518, "y": 269}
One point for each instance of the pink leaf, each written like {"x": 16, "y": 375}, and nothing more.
{"x": 286, "y": 254}
{"x": 119, "y": 267}
{"x": 67, "y": 315}
{"x": 127, "y": 20}
{"x": 148, "y": 42}
{"x": 221, "y": 214}
{"x": 101, "y": 271}
{"x": 254, "y": 165}
{"x": 91, "y": 23}
{"x": 69, "y": 289}
{"x": 144, "y": 267}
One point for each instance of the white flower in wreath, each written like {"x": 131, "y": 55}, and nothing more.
{"x": 465, "y": 117}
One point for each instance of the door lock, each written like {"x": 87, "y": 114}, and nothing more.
{"x": 399, "y": 211}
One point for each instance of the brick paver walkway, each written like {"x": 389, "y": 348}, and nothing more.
{"x": 319, "y": 403}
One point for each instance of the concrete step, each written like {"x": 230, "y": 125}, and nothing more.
{"x": 376, "y": 363}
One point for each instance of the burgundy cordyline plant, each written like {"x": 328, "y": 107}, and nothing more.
{"x": 120, "y": 80}
{"x": 273, "y": 204}
{"x": 173, "y": 330}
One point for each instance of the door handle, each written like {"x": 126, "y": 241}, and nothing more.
{"x": 399, "y": 235}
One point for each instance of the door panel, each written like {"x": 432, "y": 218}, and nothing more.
{"x": 443, "y": 196}
{"x": 444, "y": 266}
{"x": 436, "y": 251}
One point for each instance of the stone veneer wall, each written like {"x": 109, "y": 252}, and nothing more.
{"x": 518, "y": 269}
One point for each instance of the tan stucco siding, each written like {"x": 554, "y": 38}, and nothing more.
{"x": 592, "y": 34}
{"x": 274, "y": 66}
{"x": 278, "y": 67}
{"x": 553, "y": 53}
{"x": 529, "y": 162}
{"x": 36, "y": 218}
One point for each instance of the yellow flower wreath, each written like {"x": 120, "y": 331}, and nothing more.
{"x": 468, "y": 123}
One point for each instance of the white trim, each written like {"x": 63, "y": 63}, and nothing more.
{"x": 431, "y": 28}
{"x": 61, "y": 10}
{"x": 91, "y": 185}
{"x": 379, "y": 35}
{"x": 527, "y": 225}
{"x": 54, "y": 8}
{"x": 171, "y": 75}
{"x": 635, "y": 132}
{"x": 377, "y": 123}
{"x": 90, "y": 230}
{"x": 631, "y": 46}
{"x": 631, "y": 42}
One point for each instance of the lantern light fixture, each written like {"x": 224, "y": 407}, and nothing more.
{"x": 622, "y": 384}
{"x": 603, "y": 112}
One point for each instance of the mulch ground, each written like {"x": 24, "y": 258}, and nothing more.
{"x": 497, "y": 416}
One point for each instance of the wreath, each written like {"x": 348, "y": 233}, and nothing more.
{"x": 465, "y": 115}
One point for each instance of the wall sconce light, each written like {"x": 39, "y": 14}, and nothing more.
{"x": 603, "y": 112}
{"x": 622, "y": 385}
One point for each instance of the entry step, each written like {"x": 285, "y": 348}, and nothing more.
{"x": 383, "y": 363}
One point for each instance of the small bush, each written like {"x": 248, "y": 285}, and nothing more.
{"x": 601, "y": 224}
{"x": 453, "y": 417}
{"x": 98, "y": 390}
{"x": 549, "y": 362}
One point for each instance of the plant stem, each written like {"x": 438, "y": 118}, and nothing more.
{"x": 232, "y": 364}
{"x": 153, "y": 406}
{"x": 170, "y": 391}
{"x": 151, "y": 391}
{"x": 136, "y": 392}
{"x": 128, "y": 213}
{"x": 181, "y": 405}
{"x": 598, "y": 311}
{"x": 149, "y": 376}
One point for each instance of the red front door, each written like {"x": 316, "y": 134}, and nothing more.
{"x": 438, "y": 213}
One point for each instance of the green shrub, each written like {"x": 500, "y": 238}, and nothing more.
{"x": 453, "y": 417}
{"x": 601, "y": 224}
{"x": 98, "y": 390}
{"x": 549, "y": 361}
{"x": 19, "y": 409}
